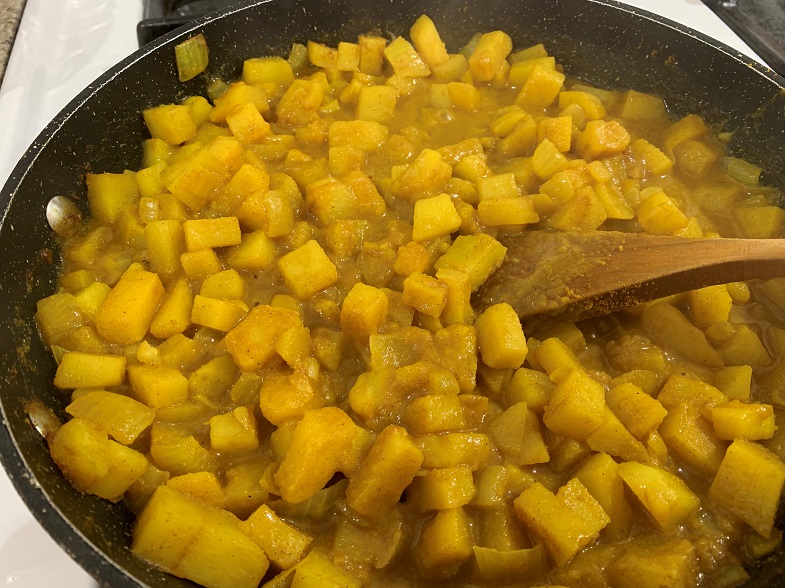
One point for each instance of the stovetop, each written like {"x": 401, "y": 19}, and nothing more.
{"x": 84, "y": 38}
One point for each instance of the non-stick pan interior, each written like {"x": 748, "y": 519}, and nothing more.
{"x": 102, "y": 131}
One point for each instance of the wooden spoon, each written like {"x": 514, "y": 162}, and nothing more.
{"x": 580, "y": 275}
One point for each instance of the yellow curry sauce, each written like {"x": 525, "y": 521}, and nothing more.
{"x": 272, "y": 357}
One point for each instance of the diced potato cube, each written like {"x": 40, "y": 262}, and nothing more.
{"x": 476, "y": 255}
{"x": 489, "y": 54}
{"x": 453, "y": 449}
{"x": 748, "y": 485}
{"x": 437, "y": 414}
{"x": 673, "y": 564}
{"x": 92, "y": 462}
{"x": 317, "y": 450}
{"x": 252, "y": 341}
{"x": 234, "y": 432}
{"x": 203, "y": 487}
{"x": 600, "y": 475}
{"x": 365, "y": 135}
{"x": 404, "y": 59}
{"x": 440, "y": 489}
{"x": 655, "y": 160}
{"x": 425, "y": 293}
{"x": 541, "y": 88}
{"x": 174, "y": 314}
{"x": 108, "y": 194}
{"x": 639, "y": 106}
{"x": 200, "y": 264}
{"x": 664, "y": 495}
{"x": 690, "y": 437}
{"x": 658, "y": 214}
{"x": 125, "y": 314}
{"x": 259, "y": 71}
{"x": 425, "y": 176}
{"x": 283, "y": 543}
{"x": 388, "y": 468}
{"x": 458, "y": 308}
{"x": 300, "y": 103}
{"x": 529, "y": 386}
{"x": 307, "y": 270}
{"x": 247, "y": 124}
{"x": 364, "y": 311}
{"x": 613, "y": 438}
{"x": 157, "y": 386}
{"x": 209, "y": 233}
{"x": 737, "y": 420}
{"x": 576, "y": 407}
{"x": 165, "y": 245}
{"x": 89, "y": 370}
{"x": 330, "y": 199}
{"x": 198, "y": 542}
{"x": 255, "y": 252}
{"x": 445, "y": 543}
{"x": 639, "y": 412}
{"x": 218, "y": 314}
{"x": 434, "y": 217}
{"x": 601, "y": 139}
{"x": 666, "y": 325}
{"x": 566, "y": 522}
{"x": 170, "y": 122}
{"x": 286, "y": 397}
{"x": 500, "y": 337}
{"x": 376, "y": 103}
{"x": 428, "y": 42}
{"x": 734, "y": 381}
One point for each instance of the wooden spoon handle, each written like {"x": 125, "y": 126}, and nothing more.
{"x": 588, "y": 274}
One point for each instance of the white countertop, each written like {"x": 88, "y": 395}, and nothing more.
{"x": 82, "y": 39}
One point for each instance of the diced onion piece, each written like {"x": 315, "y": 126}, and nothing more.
{"x": 192, "y": 57}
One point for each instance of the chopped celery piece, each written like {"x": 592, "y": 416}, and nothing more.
{"x": 192, "y": 57}
{"x": 740, "y": 170}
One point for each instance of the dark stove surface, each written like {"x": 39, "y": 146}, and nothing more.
{"x": 162, "y": 16}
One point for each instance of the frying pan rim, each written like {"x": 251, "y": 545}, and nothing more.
{"x": 80, "y": 548}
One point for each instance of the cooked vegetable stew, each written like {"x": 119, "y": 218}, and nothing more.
{"x": 268, "y": 337}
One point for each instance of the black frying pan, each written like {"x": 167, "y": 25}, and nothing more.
{"x": 101, "y": 130}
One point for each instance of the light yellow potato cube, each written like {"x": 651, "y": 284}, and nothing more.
{"x": 497, "y": 186}
{"x": 500, "y": 337}
{"x": 376, "y": 103}
{"x": 255, "y": 252}
{"x": 541, "y": 88}
{"x": 234, "y": 432}
{"x": 307, "y": 270}
{"x": 125, "y": 314}
{"x": 282, "y": 543}
{"x": 664, "y": 495}
{"x": 237, "y": 94}
{"x": 445, "y": 543}
{"x": 507, "y": 212}
{"x": 405, "y": 60}
{"x": 196, "y": 541}
{"x": 455, "y": 449}
{"x": 218, "y": 314}
{"x": 208, "y": 233}
{"x": 463, "y": 96}
{"x": 556, "y": 358}
{"x": 364, "y": 311}
{"x": 365, "y": 135}
{"x": 329, "y": 199}
{"x": 658, "y": 214}
{"x": 92, "y": 462}
{"x": 388, "y": 468}
{"x": 734, "y": 381}
{"x": 489, "y": 55}
{"x": 564, "y": 523}
{"x": 285, "y": 397}
{"x": 425, "y": 293}
{"x": 165, "y": 245}
{"x": 227, "y": 284}
{"x": 458, "y": 309}
{"x": 613, "y": 438}
{"x": 174, "y": 314}
{"x": 440, "y": 489}
{"x": 576, "y": 407}
{"x": 317, "y": 451}
{"x": 252, "y": 341}
{"x": 434, "y": 217}
{"x": 200, "y": 264}
{"x": 737, "y": 420}
{"x": 371, "y": 54}
{"x": 653, "y": 158}
{"x": 639, "y": 412}
{"x": 300, "y": 103}
{"x": 247, "y": 124}
{"x": 428, "y": 42}
{"x": 601, "y": 139}
{"x": 170, "y": 122}
{"x": 749, "y": 484}
{"x": 477, "y": 256}
{"x": 108, "y": 194}
{"x": 600, "y": 475}
{"x": 259, "y": 71}
{"x": 674, "y": 564}
{"x": 157, "y": 386}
